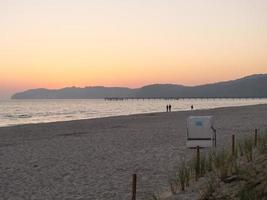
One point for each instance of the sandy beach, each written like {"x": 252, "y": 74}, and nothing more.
{"x": 95, "y": 159}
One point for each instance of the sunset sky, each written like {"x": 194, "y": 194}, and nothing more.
{"x": 60, "y": 43}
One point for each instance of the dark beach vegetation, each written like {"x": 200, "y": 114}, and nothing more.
{"x": 226, "y": 173}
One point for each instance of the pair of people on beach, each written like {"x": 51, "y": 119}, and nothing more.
{"x": 169, "y": 108}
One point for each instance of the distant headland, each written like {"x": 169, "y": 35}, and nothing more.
{"x": 254, "y": 86}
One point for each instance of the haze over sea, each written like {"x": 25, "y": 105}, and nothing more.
{"x": 15, "y": 112}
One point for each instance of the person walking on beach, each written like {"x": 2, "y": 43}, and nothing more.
{"x": 170, "y": 108}
{"x": 192, "y": 107}
{"x": 167, "y": 108}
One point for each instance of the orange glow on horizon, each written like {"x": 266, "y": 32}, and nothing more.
{"x": 130, "y": 44}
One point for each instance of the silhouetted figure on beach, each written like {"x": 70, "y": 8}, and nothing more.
{"x": 170, "y": 108}
{"x": 167, "y": 108}
{"x": 192, "y": 107}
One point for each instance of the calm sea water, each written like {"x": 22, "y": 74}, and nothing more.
{"x": 14, "y": 112}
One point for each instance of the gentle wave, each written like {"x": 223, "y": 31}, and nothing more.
{"x": 16, "y": 112}
{"x": 18, "y": 116}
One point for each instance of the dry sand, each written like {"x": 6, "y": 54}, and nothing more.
{"x": 94, "y": 159}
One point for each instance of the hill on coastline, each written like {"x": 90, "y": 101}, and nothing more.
{"x": 254, "y": 86}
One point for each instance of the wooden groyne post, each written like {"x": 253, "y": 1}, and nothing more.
{"x": 198, "y": 163}
{"x": 233, "y": 144}
{"x": 256, "y": 137}
{"x": 215, "y": 138}
{"x": 134, "y": 187}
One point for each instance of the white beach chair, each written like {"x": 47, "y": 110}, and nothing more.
{"x": 200, "y": 132}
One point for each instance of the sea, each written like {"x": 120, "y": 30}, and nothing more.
{"x": 16, "y": 112}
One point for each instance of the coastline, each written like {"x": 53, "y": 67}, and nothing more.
{"x": 128, "y": 115}
{"x": 95, "y": 158}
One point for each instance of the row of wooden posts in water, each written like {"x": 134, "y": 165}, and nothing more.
{"x": 134, "y": 176}
{"x": 173, "y": 98}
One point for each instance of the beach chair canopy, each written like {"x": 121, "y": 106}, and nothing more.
{"x": 200, "y": 131}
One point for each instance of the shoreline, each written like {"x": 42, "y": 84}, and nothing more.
{"x": 95, "y": 158}
{"x": 138, "y": 114}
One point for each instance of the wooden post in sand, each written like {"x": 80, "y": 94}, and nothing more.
{"x": 256, "y": 137}
{"x": 215, "y": 138}
{"x": 198, "y": 163}
{"x": 134, "y": 187}
{"x": 233, "y": 144}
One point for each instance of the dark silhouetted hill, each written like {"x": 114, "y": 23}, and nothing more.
{"x": 254, "y": 86}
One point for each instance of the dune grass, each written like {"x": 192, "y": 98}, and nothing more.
{"x": 262, "y": 141}
{"x": 219, "y": 164}
{"x": 222, "y": 162}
